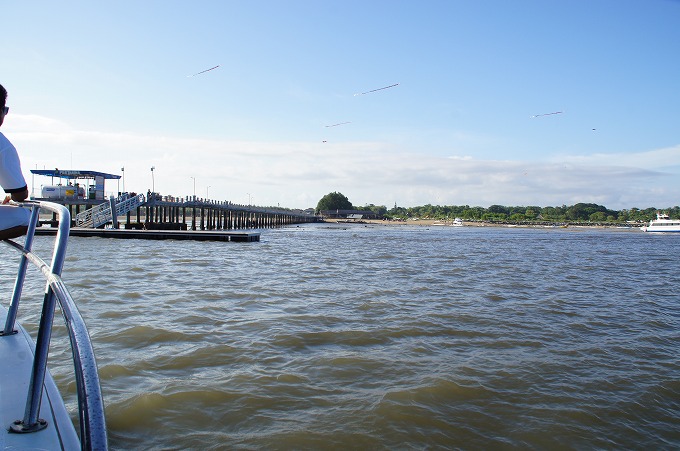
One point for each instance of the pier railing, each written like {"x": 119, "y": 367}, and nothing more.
{"x": 101, "y": 214}
{"x": 206, "y": 214}
{"x": 92, "y": 421}
{"x": 169, "y": 212}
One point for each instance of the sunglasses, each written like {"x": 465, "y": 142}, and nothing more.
{"x": 5, "y": 110}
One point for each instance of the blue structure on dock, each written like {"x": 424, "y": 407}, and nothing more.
{"x": 95, "y": 191}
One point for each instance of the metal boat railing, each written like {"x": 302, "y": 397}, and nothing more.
{"x": 92, "y": 421}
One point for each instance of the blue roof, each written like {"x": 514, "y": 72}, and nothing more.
{"x": 73, "y": 174}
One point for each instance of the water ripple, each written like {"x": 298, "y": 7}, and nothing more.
{"x": 382, "y": 338}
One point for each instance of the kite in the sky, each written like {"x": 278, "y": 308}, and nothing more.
{"x": 203, "y": 71}
{"x": 546, "y": 114}
{"x": 335, "y": 125}
{"x": 374, "y": 90}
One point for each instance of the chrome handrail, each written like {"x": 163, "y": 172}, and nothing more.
{"x": 92, "y": 421}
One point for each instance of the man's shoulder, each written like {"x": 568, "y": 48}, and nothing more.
{"x": 5, "y": 143}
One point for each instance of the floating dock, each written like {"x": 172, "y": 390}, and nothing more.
{"x": 195, "y": 235}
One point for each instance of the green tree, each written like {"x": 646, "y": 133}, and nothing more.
{"x": 398, "y": 212}
{"x": 498, "y": 209}
{"x": 532, "y": 212}
{"x": 582, "y": 212}
{"x": 598, "y": 216}
{"x": 473, "y": 213}
{"x": 334, "y": 201}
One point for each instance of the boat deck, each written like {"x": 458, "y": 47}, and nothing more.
{"x": 15, "y": 371}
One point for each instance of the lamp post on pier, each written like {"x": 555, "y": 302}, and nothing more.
{"x": 123, "y": 171}
{"x": 194, "y": 179}
{"x": 153, "y": 182}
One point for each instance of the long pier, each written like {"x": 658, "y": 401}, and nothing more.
{"x": 199, "y": 214}
{"x": 185, "y": 218}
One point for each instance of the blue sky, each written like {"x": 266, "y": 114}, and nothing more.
{"x": 104, "y": 85}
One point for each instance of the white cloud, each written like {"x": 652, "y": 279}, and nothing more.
{"x": 651, "y": 159}
{"x": 298, "y": 174}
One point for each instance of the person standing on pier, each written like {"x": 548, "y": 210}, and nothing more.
{"x": 13, "y": 220}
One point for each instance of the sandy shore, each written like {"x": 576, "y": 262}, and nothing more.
{"x": 411, "y": 222}
{"x": 416, "y": 222}
{"x": 437, "y": 223}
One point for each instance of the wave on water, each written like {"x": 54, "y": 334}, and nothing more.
{"x": 382, "y": 338}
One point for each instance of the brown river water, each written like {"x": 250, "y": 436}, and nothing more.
{"x": 332, "y": 337}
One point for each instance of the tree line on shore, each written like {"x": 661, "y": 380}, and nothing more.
{"x": 564, "y": 213}
{"x": 577, "y": 212}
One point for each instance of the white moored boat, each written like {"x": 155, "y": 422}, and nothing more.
{"x": 32, "y": 412}
{"x": 662, "y": 223}
{"x": 455, "y": 223}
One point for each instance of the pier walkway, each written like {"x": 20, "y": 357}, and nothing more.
{"x": 174, "y": 218}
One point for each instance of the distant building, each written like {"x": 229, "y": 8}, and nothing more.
{"x": 350, "y": 214}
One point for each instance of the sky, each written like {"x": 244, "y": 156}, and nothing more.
{"x": 109, "y": 85}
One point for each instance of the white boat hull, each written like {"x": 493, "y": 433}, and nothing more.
{"x": 660, "y": 229}
{"x": 662, "y": 224}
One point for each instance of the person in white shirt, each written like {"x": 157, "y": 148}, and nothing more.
{"x": 13, "y": 219}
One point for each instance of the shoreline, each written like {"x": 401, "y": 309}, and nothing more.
{"x": 467, "y": 223}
